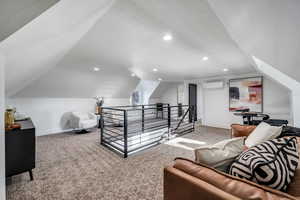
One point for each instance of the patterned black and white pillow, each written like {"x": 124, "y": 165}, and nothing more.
{"x": 272, "y": 163}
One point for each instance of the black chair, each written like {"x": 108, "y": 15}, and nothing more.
{"x": 246, "y": 118}
{"x": 160, "y": 108}
{"x": 180, "y": 111}
{"x": 277, "y": 122}
{"x": 260, "y": 118}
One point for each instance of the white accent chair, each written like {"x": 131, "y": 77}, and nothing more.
{"x": 82, "y": 121}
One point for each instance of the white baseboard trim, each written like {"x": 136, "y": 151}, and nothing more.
{"x": 217, "y": 126}
{"x": 53, "y": 131}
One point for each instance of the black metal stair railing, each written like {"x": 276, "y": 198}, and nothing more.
{"x": 128, "y": 129}
{"x": 186, "y": 123}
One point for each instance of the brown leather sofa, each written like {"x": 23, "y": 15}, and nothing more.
{"x": 187, "y": 180}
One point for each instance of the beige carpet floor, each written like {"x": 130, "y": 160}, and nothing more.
{"x": 76, "y": 167}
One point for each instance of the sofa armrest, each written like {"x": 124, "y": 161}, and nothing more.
{"x": 92, "y": 115}
{"x": 179, "y": 185}
{"x": 238, "y": 130}
{"x": 237, "y": 187}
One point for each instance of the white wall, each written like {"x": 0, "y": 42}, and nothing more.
{"x": 295, "y": 106}
{"x": 216, "y": 108}
{"x": 49, "y": 114}
{"x": 146, "y": 88}
{"x": 2, "y": 138}
{"x": 166, "y": 92}
{"x": 287, "y": 82}
{"x": 155, "y": 100}
{"x": 170, "y": 95}
{"x": 216, "y": 104}
{"x": 213, "y": 104}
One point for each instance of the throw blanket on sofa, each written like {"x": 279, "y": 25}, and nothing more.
{"x": 289, "y": 131}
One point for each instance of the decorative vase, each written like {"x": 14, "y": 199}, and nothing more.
{"x": 98, "y": 109}
{"x": 9, "y": 118}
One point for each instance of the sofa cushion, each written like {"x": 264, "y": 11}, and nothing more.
{"x": 290, "y": 131}
{"x": 238, "y": 130}
{"x": 238, "y": 187}
{"x": 272, "y": 163}
{"x": 221, "y": 154}
{"x": 262, "y": 133}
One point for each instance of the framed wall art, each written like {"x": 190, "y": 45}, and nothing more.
{"x": 246, "y": 94}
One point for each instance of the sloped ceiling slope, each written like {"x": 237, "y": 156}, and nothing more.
{"x": 80, "y": 81}
{"x": 130, "y": 35}
{"x": 197, "y": 32}
{"x": 163, "y": 88}
{"x": 127, "y": 39}
{"x": 14, "y": 14}
{"x": 266, "y": 29}
{"x": 41, "y": 44}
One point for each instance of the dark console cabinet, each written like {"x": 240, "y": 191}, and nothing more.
{"x": 20, "y": 149}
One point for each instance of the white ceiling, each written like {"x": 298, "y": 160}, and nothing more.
{"x": 266, "y": 29}
{"x": 14, "y": 14}
{"x": 41, "y": 44}
{"x": 122, "y": 37}
{"x": 80, "y": 81}
{"x": 130, "y": 35}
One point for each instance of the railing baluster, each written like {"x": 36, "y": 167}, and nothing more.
{"x": 102, "y": 128}
{"x": 125, "y": 134}
{"x": 169, "y": 120}
{"x": 143, "y": 118}
{"x": 143, "y": 123}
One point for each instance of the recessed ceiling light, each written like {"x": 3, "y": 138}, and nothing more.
{"x": 168, "y": 37}
{"x": 155, "y": 70}
{"x": 96, "y": 69}
{"x": 225, "y": 70}
{"x": 205, "y": 58}
{"x": 160, "y": 79}
{"x": 133, "y": 75}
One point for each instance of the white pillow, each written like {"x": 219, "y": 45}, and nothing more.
{"x": 262, "y": 133}
{"x": 220, "y": 154}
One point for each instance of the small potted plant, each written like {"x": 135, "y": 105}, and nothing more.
{"x": 99, "y": 103}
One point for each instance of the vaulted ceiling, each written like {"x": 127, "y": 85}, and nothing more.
{"x": 40, "y": 45}
{"x": 54, "y": 55}
{"x": 130, "y": 35}
{"x": 266, "y": 29}
{"x": 14, "y": 14}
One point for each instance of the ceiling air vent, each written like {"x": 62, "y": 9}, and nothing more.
{"x": 216, "y": 84}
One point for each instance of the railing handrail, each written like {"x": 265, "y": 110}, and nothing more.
{"x": 112, "y": 108}
{"x": 186, "y": 112}
{"x": 124, "y": 106}
{"x": 151, "y": 108}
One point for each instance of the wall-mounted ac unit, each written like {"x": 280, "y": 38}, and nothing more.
{"x": 213, "y": 84}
